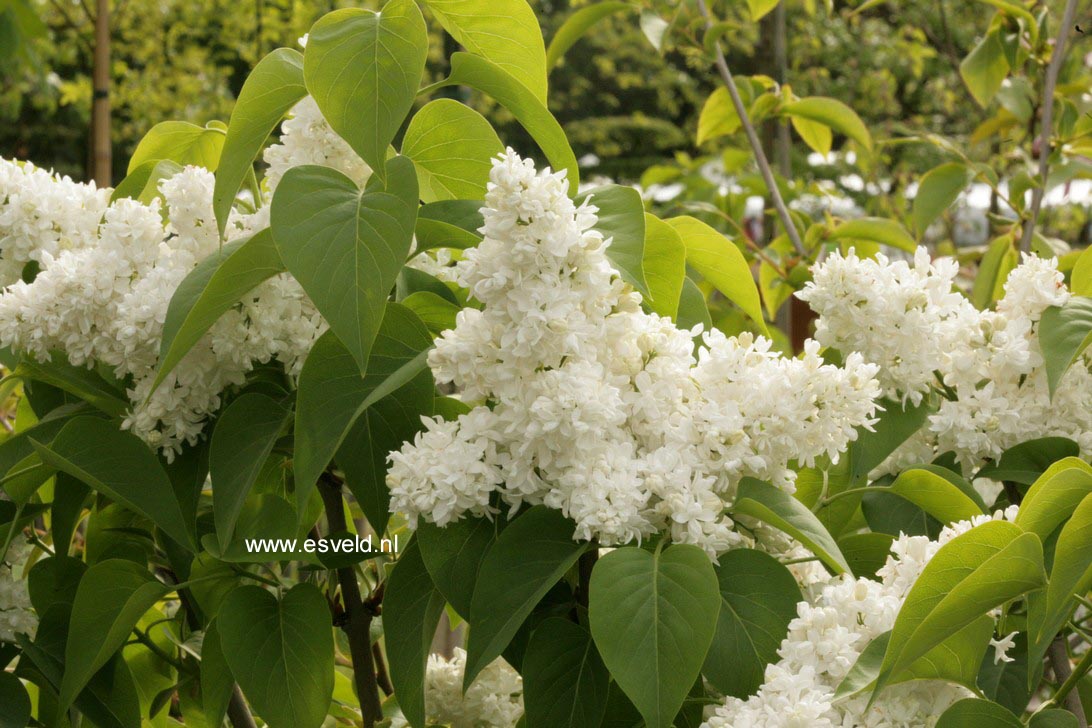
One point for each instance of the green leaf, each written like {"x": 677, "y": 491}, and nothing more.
{"x": 777, "y": 508}
{"x": 504, "y": 32}
{"x": 332, "y": 400}
{"x": 815, "y": 135}
{"x": 54, "y": 580}
{"x": 14, "y": 702}
{"x": 411, "y": 611}
{"x": 209, "y": 290}
{"x": 1024, "y": 463}
{"x": 448, "y": 224}
{"x": 112, "y": 597}
{"x": 938, "y": 189}
{"x": 1008, "y": 682}
{"x": 527, "y": 559}
{"x": 876, "y": 229}
{"x": 80, "y": 381}
{"x": 985, "y": 68}
{"x": 217, "y": 683}
{"x": 280, "y": 652}
{"x": 454, "y": 554}
{"x": 576, "y": 25}
{"x": 241, "y": 443}
{"x": 531, "y": 112}
{"x": 1054, "y": 496}
{"x": 272, "y": 88}
{"x": 970, "y": 575}
{"x": 437, "y": 313}
{"x": 718, "y": 117}
{"x": 758, "y": 600}
{"x": 1080, "y": 283}
{"x": 181, "y": 142}
{"x": 565, "y": 681}
{"x": 935, "y": 495}
{"x": 866, "y": 552}
{"x": 759, "y": 8}
{"x": 832, "y": 113}
{"x": 142, "y": 184}
{"x": 692, "y": 308}
{"x": 664, "y": 266}
{"x": 386, "y": 53}
{"x": 653, "y": 616}
{"x": 978, "y": 713}
{"x": 119, "y": 465}
{"x": 1070, "y": 576}
{"x": 989, "y": 284}
{"x": 344, "y": 246}
{"x": 1053, "y": 718}
{"x": 452, "y": 146}
{"x": 622, "y": 220}
{"x": 719, "y": 261}
{"x": 897, "y": 423}
{"x": 1064, "y": 334}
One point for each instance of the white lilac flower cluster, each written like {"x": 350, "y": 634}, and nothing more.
{"x": 494, "y": 700}
{"x": 108, "y": 271}
{"x": 985, "y": 367}
{"x": 585, "y": 403}
{"x": 827, "y": 636}
{"x": 16, "y": 614}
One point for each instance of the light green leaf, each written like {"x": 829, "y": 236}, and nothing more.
{"x": 876, "y": 229}
{"x": 411, "y": 610}
{"x": 978, "y": 713}
{"x": 437, "y": 313}
{"x": 333, "y": 397}
{"x": 1000, "y": 258}
{"x": 489, "y": 78}
{"x": 280, "y": 652}
{"x": 758, "y": 600}
{"x": 209, "y": 290}
{"x": 576, "y": 25}
{"x": 119, "y": 465}
{"x": 180, "y": 142}
{"x": 1081, "y": 278}
{"x": 719, "y": 261}
{"x": 527, "y": 559}
{"x": 142, "y": 184}
{"x": 815, "y": 135}
{"x": 1064, "y": 333}
{"x": 565, "y": 681}
{"x": 664, "y": 266}
{"x": 241, "y": 443}
{"x": 659, "y": 605}
{"x": 759, "y": 8}
{"x": 832, "y": 113}
{"x": 504, "y": 32}
{"x": 271, "y": 89}
{"x": 985, "y": 68}
{"x": 1054, "y": 496}
{"x": 346, "y": 246}
{"x": 939, "y": 188}
{"x": 1070, "y": 576}
{"x": 970, "y": 575}
{"x": 452, "y": 146}
{"x": 363, "y": 68}
{"x": 622, "y": 219}
{"x": 112, "y": 597}
{"x": 718, "y": 117}
{"x": 777, "y": 508}
{"x": 654, "y": 28}
{"x": 935, "y": 495}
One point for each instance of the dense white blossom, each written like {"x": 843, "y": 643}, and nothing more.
{"x": 16, "y": 614}
{"x": 108, "y": 271}
{"x": 584, "y": 402}
{"x": 984, "y": 368}
{"x": 494, "y": 700}
{"x": 827, "y": 636}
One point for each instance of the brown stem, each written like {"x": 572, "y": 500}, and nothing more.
{"x": 237, "y": 712}
{"x": 752, "y": 138}
{"x": 1059, "y": 663}
{"x": 358, "y": 625}
{"x": 381, "y": 677}
{"x": 1055, "y": 67}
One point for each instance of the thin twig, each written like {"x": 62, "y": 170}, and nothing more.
{"x": 237, "y": 711}
{"x": 752, "y": 137}
{"x": 1055, "y": 67}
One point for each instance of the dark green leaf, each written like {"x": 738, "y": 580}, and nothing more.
{"x": 565, "y": 681}
{"x": 979, "y": 714}
{"x": 454, "y": 554}
{"x": 622, "y": 220}
{"x": 1064, "y": 334}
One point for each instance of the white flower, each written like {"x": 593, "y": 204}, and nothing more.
{"x": 1001, "y": 648}
{"x": 16, "y": 614}
{"x": 494, "y": 700}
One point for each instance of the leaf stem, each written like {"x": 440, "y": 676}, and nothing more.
{"x": 358, "y": 627}
{"x": 1055, "y": 67}
{"x": 752, "y": 137}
